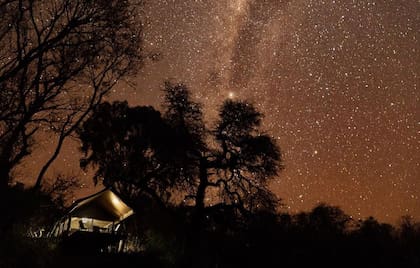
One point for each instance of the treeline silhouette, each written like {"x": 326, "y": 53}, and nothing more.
{"x": 322, "y": 237}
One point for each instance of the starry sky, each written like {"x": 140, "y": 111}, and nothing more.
{"x": 337, "y": 81}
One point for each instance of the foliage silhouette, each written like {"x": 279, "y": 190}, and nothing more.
{"x": 234, "y": 160}
{"x": 140, "y": 150}
{"x": 265, "y": 239}
{"x": 129, "y": 147}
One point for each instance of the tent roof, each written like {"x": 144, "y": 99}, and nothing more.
{"x": 104, "y": 205}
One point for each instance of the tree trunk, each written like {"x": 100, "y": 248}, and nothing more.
{"x": 4, "y": 176}
{"x": 195, "y": 244}
{"x": 201, "y": 190}
{"x": 44, "y": 169}
{"x": 198, "y": 214}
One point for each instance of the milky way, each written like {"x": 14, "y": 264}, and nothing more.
{"x": 336, "y": 80}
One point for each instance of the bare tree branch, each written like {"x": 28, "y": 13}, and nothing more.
{"x": 58, "y": 59}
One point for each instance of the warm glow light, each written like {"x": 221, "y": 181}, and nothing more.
{"x": 117, "y": 202}
{"x": 120, "y": 206}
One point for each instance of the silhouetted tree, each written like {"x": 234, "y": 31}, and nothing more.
{"x": 374, "y": 231}
{"x": 408, "y": 228}
{"x": 234, "y": 161}
{"x": 129, "y": 147}
{"x": 185, "y": 119}
{"x": 327, "y": 219}
{"x": 58, "y": 58}
{"x": 409, "y": 240}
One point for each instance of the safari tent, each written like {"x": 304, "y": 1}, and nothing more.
{"x": 99, "y": 216}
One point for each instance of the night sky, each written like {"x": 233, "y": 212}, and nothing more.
{"x": 337, "y": 81}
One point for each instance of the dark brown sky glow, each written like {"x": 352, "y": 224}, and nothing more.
{"x": 337, "y": 81}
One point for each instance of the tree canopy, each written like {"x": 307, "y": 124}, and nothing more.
{"x": 228, "y": 165}
{"x": 128, "y": 145}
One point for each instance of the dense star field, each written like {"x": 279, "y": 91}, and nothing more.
{"x": 337, "y": 81}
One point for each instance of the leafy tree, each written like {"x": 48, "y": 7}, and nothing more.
{"x": 185, "y": 118}
{"x": 58, "y": 58}
{"x": 142, "y": 150}
{"x": 129, "y": 148}
{"x": 233, "y": 161}
{"x": 328, "y": 219}
{"x": 243, "y": 161}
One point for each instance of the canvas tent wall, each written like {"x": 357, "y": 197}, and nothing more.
{"x": 101, "y": 212}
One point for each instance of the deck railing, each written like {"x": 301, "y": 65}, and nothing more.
{"x": 70, "y": 225}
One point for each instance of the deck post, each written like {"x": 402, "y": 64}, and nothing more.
{"x": 69, "y": 224}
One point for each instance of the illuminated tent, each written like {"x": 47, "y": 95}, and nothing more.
{"x": 102, "y": 212}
